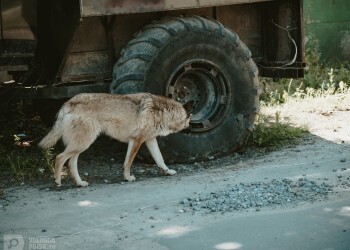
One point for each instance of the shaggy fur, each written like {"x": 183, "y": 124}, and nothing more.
{"x": 134, "y": 118}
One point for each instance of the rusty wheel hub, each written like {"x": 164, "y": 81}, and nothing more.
{"x": 203, "y": 83}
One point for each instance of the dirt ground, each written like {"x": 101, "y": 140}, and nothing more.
{"x": 325, "y": 119}
{"x": 148, "y": 214}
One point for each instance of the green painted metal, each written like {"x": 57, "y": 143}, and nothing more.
{"x": 329, "y": 22}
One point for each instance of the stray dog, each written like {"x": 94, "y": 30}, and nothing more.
{"x": 133, "y": 118}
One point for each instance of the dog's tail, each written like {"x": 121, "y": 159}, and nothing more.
{"x": 55, "y": 133}
{"x": 51, "y": 138}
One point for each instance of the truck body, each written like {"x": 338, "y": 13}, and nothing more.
{"x": 74, "y": 44}
{"x": 55, "y": 49}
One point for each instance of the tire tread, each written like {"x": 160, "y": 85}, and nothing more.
{"x": 131, "y": 69}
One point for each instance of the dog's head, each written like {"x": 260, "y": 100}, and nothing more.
{"x": 184, "y": 117}
{"x": 188, "y": 106}
{"x": 174, "y": 116}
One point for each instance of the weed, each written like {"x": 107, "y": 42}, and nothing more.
{"x": 273, "y": 134}
{"x": 323, "y": 89}
{"x": 25, "y": 162}
{"x": 20, "y": 158}
{"x": 321, "y": 79}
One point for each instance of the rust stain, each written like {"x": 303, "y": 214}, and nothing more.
{"x": 132, "y": 3}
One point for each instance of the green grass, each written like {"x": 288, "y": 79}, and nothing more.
{"x": 324, "y": 88}
{"x": 273, "y": 134}
{"x": 321, "y": 79}
{"x": 20, "y": 158}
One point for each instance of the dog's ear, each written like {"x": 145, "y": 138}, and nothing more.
{"x": 188, "y": 106}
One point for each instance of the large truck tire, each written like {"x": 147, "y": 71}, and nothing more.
{"x": 194, "y": 58}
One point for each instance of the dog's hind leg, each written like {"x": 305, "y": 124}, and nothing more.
{"x": 133, "y": 147}
{"x": 60, "y": 160}
{"x": 153, "y": 148}
{"x": 73, "y": 166}
{"x": 78, "y": 135}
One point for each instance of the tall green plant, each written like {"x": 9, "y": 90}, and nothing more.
{"x": 20, "y": 158}
{"x": 320, "y": 78}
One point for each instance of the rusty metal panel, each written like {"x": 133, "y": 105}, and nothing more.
{"x": 283, "y": 51}
{"x": 123, "y": 28}
{"x": 283, "y": 39}
{"x": 91, "y": 35}
{"x": 135, "y": 22}
{"x": 112, "y": 7}
{"x": 13, "y": 25}
{"x": 263, "y": 28}
{"x": 277, "y": 20}
{"x": 206, "y": 12}
{"x": 245, "y": 20}
{"x": 87, "y": 66}
{"x": 59, "y": 92}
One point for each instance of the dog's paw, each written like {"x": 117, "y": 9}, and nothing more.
{"x": 170, "y": 172}
{"x": 83, "y": 184}
{"x": 130, "y": 178}
{"x": 58, "y": 184}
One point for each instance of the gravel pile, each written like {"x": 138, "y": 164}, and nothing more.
{"x": 258, "y": 194}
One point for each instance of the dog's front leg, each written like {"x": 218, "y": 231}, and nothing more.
{"x": 153, "y": 148}
{"x": 133, "y": 147}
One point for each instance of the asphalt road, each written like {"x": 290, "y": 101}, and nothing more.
{"x": 321, "y": 226}
{"x": 147, "y": 214}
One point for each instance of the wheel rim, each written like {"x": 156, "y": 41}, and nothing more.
{"x": 204, "y": 83}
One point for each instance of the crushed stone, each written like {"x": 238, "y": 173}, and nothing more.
{"x": 259, "y": 194}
